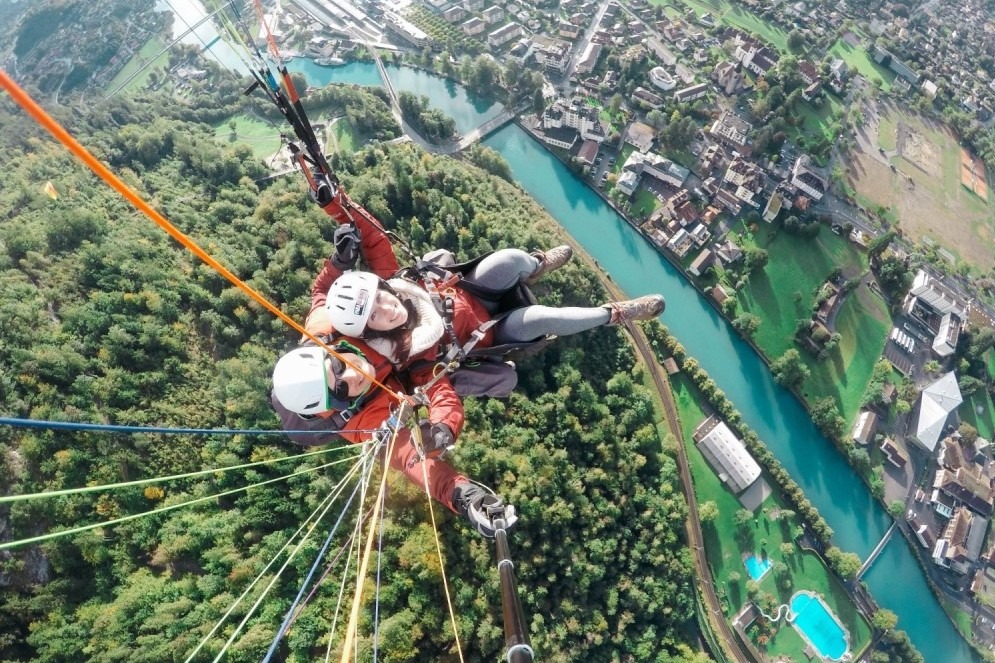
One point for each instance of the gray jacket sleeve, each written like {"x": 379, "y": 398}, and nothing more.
{"x": 312, "y": 432}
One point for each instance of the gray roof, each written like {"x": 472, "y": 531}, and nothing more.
{"x": 726, "y": 454}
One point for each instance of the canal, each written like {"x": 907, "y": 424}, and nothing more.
{"x": 858, "y": 521}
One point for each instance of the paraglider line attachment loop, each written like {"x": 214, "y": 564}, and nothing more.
{"x": 514, "y": 649}
{"x": 505, "y": 561}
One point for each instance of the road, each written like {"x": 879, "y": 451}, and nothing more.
{"x": 580, "y": 46}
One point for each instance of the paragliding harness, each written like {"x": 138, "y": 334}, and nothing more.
{"x": 439, "y": 273}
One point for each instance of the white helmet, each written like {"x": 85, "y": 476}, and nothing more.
{"x": 350, "y": 301}
{"x": 299, "y": 381}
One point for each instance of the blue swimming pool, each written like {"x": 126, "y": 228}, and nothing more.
{"x": 818, "y": 625}
{"x": 756, "y": 566}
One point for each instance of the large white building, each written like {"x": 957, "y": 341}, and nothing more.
{"x": 551, "y": 53}
{"x": 940, "y": 309}
{"x": 937, "y": 401}
{"x": 726, "y": 454}
{"x": 662, "y": 79}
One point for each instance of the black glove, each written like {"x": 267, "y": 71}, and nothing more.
{"x": 437, "y": 439}
{"x": 347, "y": 244}
{"x": 324, "y": 190}
{"x": 483, "y": 509}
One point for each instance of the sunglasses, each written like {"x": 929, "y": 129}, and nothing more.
{"x": 338, "y": 393}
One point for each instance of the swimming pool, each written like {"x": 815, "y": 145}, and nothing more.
{"x": 756, "y": 566}
{"x": 817, "y": 624}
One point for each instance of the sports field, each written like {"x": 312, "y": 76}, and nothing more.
{"x": 920, "y": 176}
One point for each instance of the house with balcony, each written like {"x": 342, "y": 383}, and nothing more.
{"x": 807, "y": 179}
{"x": 940, "y": 308}
{"x": 732, "y": 131}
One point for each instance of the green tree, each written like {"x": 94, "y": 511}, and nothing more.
{"x": 788, "y": 369}
{"x": 708, "y": 511}
{"x": 747, "y": 324}
{"x": 896, "y": 508}
{"x": 884, "y": 620}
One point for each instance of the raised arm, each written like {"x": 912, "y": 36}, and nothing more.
{"x": 377, "y": 251}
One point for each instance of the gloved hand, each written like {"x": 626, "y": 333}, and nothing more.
{"x": 324, "y": 190}
{"x": 437, "y": 439}
{"x": 347, "y": 244}
{"x": 482, "y": 509}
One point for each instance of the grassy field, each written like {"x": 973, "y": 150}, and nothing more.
{"x": 925, "y": 189}
{"x": 262, "y": 136}
{"x": 728, "y": 14}
{"x": 983, "y": 421}
{"x": 137, "y": 61}
{"x": 644, "y": 202}
{"x": 819, "y": 120}
{"x": 726, "y": 544}
{"x": 343, "y": 137}
{"x": 785, "y": 293}
{"x": 856, "y": 57}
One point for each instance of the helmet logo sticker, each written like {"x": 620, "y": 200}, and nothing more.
{"x": 361, "y": 300}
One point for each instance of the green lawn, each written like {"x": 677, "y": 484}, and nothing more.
{"x": 887, "y": 131}
{"x": 785, "y": 292}
{"x": 644, "y": 202}
{"x": 726, "y": 544}
{"x": 343, "y": 137}
{"x": 819, "y": 120}
{"x": 983, "y": 421}
{"x": 263, "y": 137}
{"x": 991, "y": 363}
{"x": 727, "y": 13}
{"x": 856, "y": 57}
{"x": 152, "y": 47}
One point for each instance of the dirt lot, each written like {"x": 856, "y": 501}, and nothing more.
{"x": 924, "y": 187}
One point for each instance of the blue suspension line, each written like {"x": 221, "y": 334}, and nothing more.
{"x": 314, "y": 567}
{"x": 68, "y": 425}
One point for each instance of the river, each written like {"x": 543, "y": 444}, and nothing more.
{"x": 858, "y": 521}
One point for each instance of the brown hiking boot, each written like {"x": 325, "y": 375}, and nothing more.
{"x": 646, "y": 307}
{"x": 549, "y": 260}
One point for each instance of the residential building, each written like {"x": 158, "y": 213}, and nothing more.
{"x": 454, "y": 14}
{"x": 553, "y": 54}
{"x": 588, "y": 152}
{"x": 939, "y": 308}
{"x": 773, "y": 207}
{"x": 493, "y": 14}
{"x": 575, "y": 115}
{"x": 894, "y": 452}
{"x": 808, "y": 72}
{"x": 731, "y": 131}
{"x": 473, "y": 5}
{"x": 474, "y": 26}
{"x": 744, "y": 180}
{"x": 804, "y": 176}
{"x": 684, "y": 72}
{"x": 960, "y": 545}
{"x": 589, "y": 58}
{"x": 864, "y": 427}
{"x": 645, "y": 97}
{"x": 406, "y": 29}
{"x": 936, "y": 403}
{"x": 681, "y": 243}
{"x": 691, "y": 93}
{"x": 563, "y": 137}
{"x": 640, "y": 135}
{"x": 667, "y": 56}
{"x": 521, "y": 51}
{"x": 662, "y": 79}
{"x": 701, "y": 264}
{"x": 504, "y": 34}
{"x": 627, "y": 182}
{"x": 657, "y": 167}
{"x": 728, "y": 251}
{"x": 726, "y": 454}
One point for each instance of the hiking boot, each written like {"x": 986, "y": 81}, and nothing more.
{"x": 646, "y": 307}
{"x": 549, "y": 260}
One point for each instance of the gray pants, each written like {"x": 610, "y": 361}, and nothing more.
{"x": 504, "y": 269}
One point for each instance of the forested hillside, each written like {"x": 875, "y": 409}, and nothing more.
{"x": 104, "y": 319}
